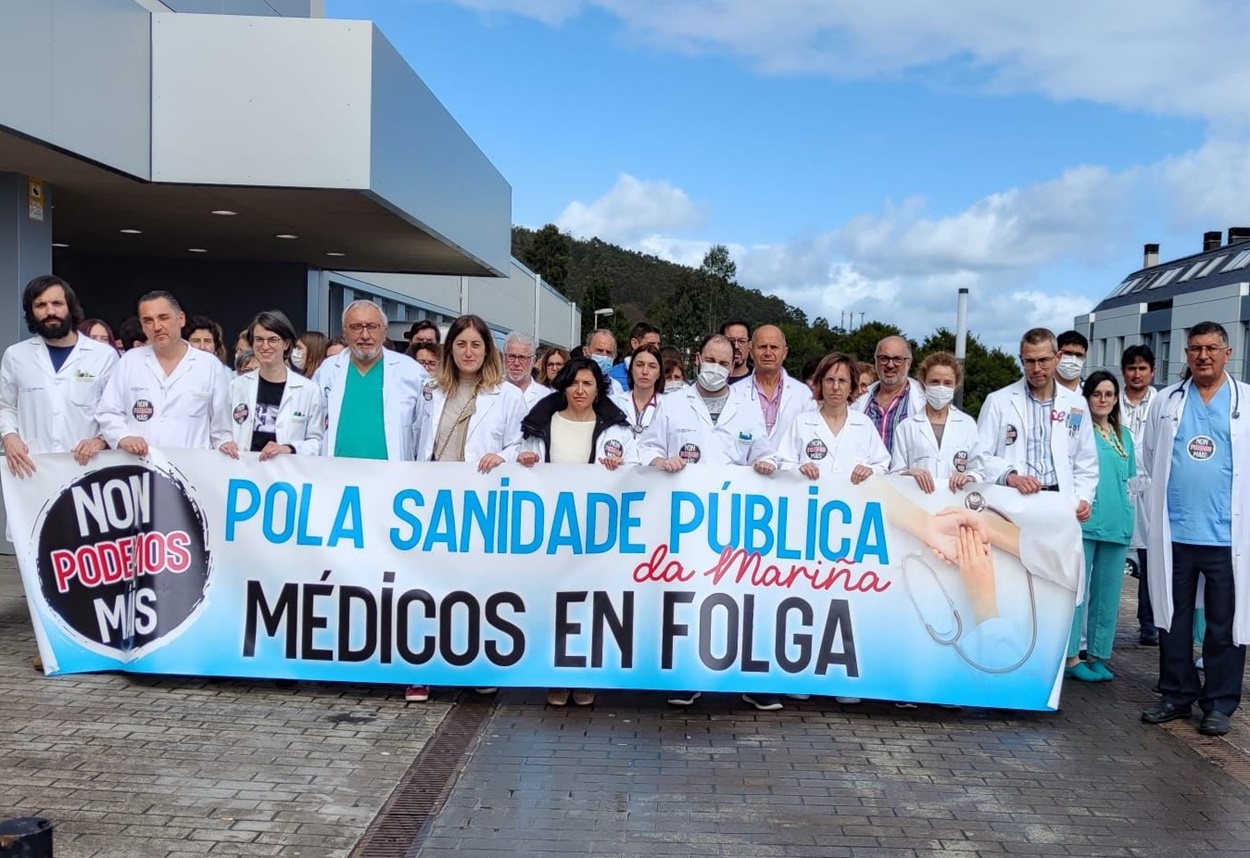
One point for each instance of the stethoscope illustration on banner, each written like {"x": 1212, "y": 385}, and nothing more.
{"x": 977, "y": 503}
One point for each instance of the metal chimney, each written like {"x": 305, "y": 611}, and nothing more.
{"x": 1212, "y": 240}
{"x": 1238, "y": 234}
{"x": 1152, "y": 256}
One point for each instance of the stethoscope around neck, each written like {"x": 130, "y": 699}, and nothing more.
{"x": 976, "y": 502}
{"x": 1183, "y": 390}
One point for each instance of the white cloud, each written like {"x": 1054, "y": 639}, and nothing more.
{"x": 631, "y": 210}
{"x": 1211, "y": 183}
{"x": 1183, "y": 57}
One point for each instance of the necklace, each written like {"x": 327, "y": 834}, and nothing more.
{"x": 1112, "y": 438}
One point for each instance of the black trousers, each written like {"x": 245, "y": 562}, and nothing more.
{"x": 1224, "y": 662}
{"x": 1145, "y": 614}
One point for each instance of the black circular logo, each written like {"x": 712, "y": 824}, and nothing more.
{"x": 1201, "y": 447}
{"x": 613, "y": 449}
{"x": 142, "y": 410}
{"x": 240, "y": 413}
{"x": 123, "y": 559}
{"x": 1011, "y": 435}
{"x": 961, "y": 461}
{"x": 690, "y": 453}
{"x": 816, "y": 450}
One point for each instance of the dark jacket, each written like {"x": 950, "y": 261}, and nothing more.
{"x": 537, "y": 424}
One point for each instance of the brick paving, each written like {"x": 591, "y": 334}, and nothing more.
{"x": 132, "y": 766}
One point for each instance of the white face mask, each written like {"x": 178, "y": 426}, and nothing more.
{"x": 939, "y": 396}
{"x": 1070, "y": 367}
{"x": 674, "y": 384}
{"x": 297, "y": 358}
{"x": 713, "y": 377}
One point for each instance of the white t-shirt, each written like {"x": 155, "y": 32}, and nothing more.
{"x": 571, "y": 440}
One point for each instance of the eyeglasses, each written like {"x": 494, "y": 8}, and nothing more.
{"x": 266, "y": 341}
{"x": 361, "y": 327}
{"x": 892, "y": 359}
{"x": 428, "y": 365}
{"x": 1205, "y": 350}
{"x": 517, "y": 358}
{"x": 1037, "y": 363}
{"x": 737, "y": 341}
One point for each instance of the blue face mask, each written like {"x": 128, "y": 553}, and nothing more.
{"x": 604, "y": 362}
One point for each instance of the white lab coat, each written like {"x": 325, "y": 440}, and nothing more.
{"x": 187, "y": 409}
{"x": 403, "y": 380}
{"x": 683, "y": 427}
{"x": 301, "y": 421}
{"x": 639, "y": 422}
{"x": 533, "y": 393}
{"x": 915, "y": 397}
{"x": 916, "y": 446}
{"x": 617, "y": 440}
{"x": 1003, "y": 427}
{"x": 809, "y": 439}
{"x": 1139, "y": 488}
{"x": 53, "y": 411}
{"x": 796, "y": 397}
{"x": 495, "y": 426}
{"x": 1162, "y": 421}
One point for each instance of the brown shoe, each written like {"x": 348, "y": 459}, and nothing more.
{"x": 582, "y": 697}
{"x": 37, "y": 663}
{"x": 558, "y": 697}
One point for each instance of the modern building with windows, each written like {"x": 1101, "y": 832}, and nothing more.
{"x": 1158, "y": 304}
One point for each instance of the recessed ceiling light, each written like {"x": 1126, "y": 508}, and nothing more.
{"x": 197, "y": 250}
{"x": 224, "y": 212}
{"x": 334, "y": 253}
{"x": 286, "y": 235}
{"x": 132, "y": 231}
{"x": 59, "y": 244}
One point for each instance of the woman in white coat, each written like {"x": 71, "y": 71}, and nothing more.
{"x": 471, "y": 414}
{"x": 646, "y": 385}
{"x": 274, "y": 410}
{"x": 940, "y": 444}
{"x": 834, "y": 439}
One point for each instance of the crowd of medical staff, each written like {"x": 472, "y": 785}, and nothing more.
{"x": 1144, "y": 470}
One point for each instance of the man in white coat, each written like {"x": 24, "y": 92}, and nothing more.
{"x": 1197, "y": 448}
{"x": 1137, "y": 366}
{"x": 51, "y": 383}
{"x": 1041, "y": 430}
{"x": 519, "y": 351}
{"x": 371, "y": 397}
{"x": 165, "y": 394}
{"x": 779, "y": 397}
{"x": 895, "y": 396}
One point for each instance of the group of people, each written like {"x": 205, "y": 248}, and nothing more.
{"x": 1143, "y": 469}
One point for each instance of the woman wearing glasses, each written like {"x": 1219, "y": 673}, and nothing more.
{"x": 1107, "y": 533}
{"x": 275, "y": 411}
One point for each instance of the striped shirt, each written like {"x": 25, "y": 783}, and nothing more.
{"x": 887, "y": 419}
{"x": 1038, "y": 458}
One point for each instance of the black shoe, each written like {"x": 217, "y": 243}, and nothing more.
{"x": 1161, "y": 713}
{"x": 1148, "y": 637}
{"x": 1214, "y": 724}
{"x": 763, "y": 702}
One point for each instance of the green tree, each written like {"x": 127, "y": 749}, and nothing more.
{"x": 717, "y": 273}
{"x": 985, "y": 370}
{"x": 596, "y": 296}
{"x": 548, "y": 255}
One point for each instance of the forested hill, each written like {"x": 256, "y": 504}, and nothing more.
{"x": 639, "y": 285}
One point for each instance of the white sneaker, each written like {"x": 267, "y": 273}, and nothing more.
{"x": 799, "y": 696}
{"x": 683, "y": 698}
{"x": 847, "y": 701}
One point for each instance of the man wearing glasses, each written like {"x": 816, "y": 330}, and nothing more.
{"x": 1195, "y": 443}
{"x": 738, "y": 333}
{"x": 894, "y": 396}
{"x": 1042, "y": 429}
{"x": 371, "y": 396}
{"x": 519, "y": 351}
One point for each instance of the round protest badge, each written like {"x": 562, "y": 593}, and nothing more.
{"x": 1010, "y": 435}
{"x": 1201, "y": 447}
{"x": 816, "y": 450}
{"x": 240, "y": 413}
{"x": 689, "y": 453}
{"x": 142, "y": 410}
{"x": 961, "y": 461}
{"x": 123, "y": 561}
{"x": 613, "y": 449}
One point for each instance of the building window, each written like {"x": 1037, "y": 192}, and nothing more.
{"x": 1163, "y": 356}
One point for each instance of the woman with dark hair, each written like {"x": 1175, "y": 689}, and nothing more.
{"x": 309, "y": 352}
{"x": 470, "y": 414}
{"x": 1107, "y": 533}
{"x": 98, "y": 330}
{"x": 275, "y": 410}
{"x": 204, "y": 334}
{"x": 834, "y": 439}
{"x": 550, "y": 364}
{"x": 426, "y": 354}
{"x": 645, "y": 385}
{"x": 577, "y": 424}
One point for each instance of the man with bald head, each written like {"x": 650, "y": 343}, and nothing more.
{"x": 894, "y": 396}
{"x": 779, "y": 396}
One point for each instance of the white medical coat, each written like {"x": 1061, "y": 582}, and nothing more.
{"x": 1003, "y": 427}
{"x": 796, "y": 397}
{"x": 52, "y": 411}
{"x": 301, "y": 421}
{"x": 809, "y": 439}
{"x": 187, "y": 409}
{"x": 684, "y": 428}
{"x": 495, "y": 426}
{"x": 403, "y": 380}
{"x": 916, "y": 446}
{"x": 1162, "y": 421}
{"x": 639, "y": 422}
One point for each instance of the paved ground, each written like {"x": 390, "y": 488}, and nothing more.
{"x": 173, "y": 767}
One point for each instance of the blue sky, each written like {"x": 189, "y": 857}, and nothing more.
{"x": 854, "y": 156}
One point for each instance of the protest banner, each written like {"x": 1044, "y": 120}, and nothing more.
{"x": 718, "y": 579}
